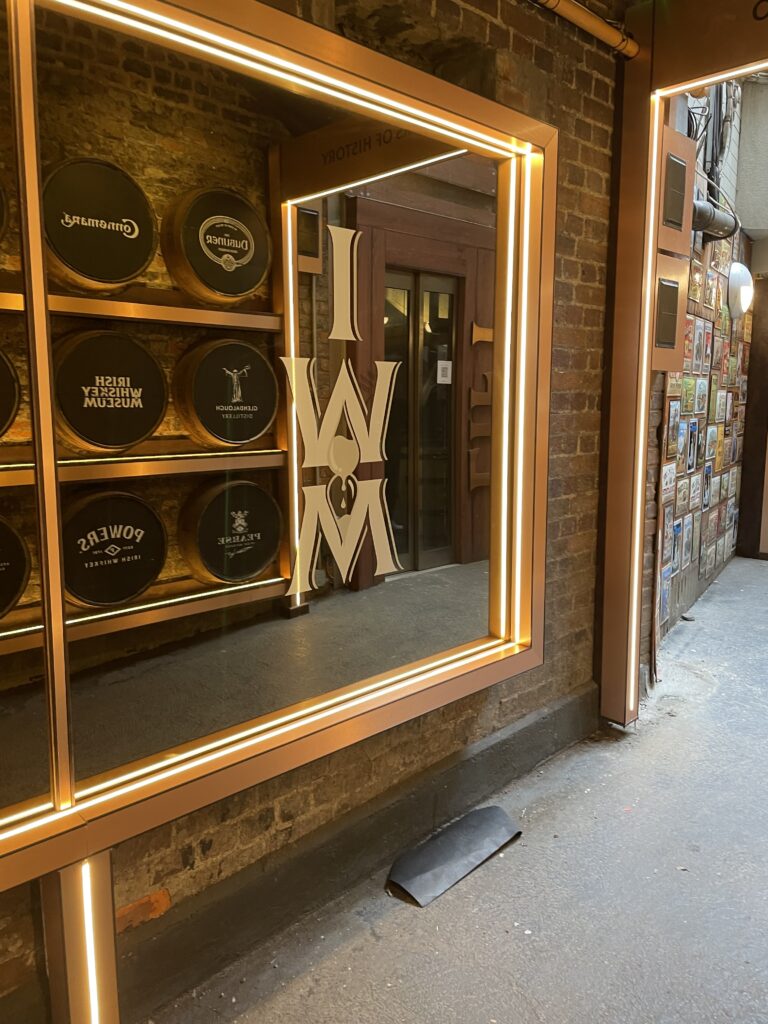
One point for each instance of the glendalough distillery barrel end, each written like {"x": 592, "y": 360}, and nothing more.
{"x": 217, "y": 246}
{"x": 14, "y": 567}
{"x": 114, "y": 548}
{"x": 225, "y": 392}
{"x": 100, "y": 230}
{"x": 110, "y": 391}
{"x": 230, "y": 532}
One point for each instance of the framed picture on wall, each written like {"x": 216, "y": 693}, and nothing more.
{"x": 688, "y": 343}
{"x": 698, "y": 344}
{"x": 720, "y": 550}
{"x": 682, "y": 447}
{"x": 715, "y": 495}
{"x": 673, "y": 427}
{"x": 706, "y": 492}
{"x": 693, "y": 445}
{"x": 667, "y": 535}
{"x": 710, "y": 561}
{"x": 696, "y": 541}
{"x": 694, "y": 501}
{"x": 711, "y": 451}
{"x": 720, "y": 454}
{"x": 708, "y": 336}
{"x": 687, "y": 540}
{"x": 666, "y": 585}
{"x": 702, "y": 393}
{"x": 702, "y": 448}
{"x": 674, "y": 385}
{"x": 668, "y": 482}
{"x": 683, "y": 494}
{"x": 714, "y": 385}
{"x": 696, "y": 281}
{"x": 689, "y": 395}
{"x": 720, "y": 406}
{"x": 717, "y": 352}
{"x": 728, "y": 411}
{"x": 710, "y": 289}
{"x": 677, "y": 545}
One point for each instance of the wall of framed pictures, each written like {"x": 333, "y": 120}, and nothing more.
{"x": 697, "y": 437}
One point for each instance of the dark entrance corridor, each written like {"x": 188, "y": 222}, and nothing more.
{"x": 637, "y": 893}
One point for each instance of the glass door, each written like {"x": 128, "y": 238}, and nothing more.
{"x": 420, "y": 333}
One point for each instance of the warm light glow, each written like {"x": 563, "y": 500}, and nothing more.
{"x": 28, "y": 812}
{"x": 525, "y": 257}
{"x": 721, "y": 76}
{"x": 116, "y": 613}
{"x": 509, "y": 169}
{"x": 641, "y": 429}
{"x": 90, "y": 943}
{"x": 378, "y": 177}
{"x": 294, "y": 477}
{"x": 271, "y": 66}
{"x": 102, "y": 460}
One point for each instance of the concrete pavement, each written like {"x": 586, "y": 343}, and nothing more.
{"x": 637, "y": 895}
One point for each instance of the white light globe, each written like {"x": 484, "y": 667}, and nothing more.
{"x": 741, "y": 290}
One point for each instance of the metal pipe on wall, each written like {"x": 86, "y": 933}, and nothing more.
{"x": 613, "y": 36}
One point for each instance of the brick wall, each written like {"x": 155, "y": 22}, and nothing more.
{"x": 531, "y": 60}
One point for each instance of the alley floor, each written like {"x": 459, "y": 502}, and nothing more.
{"x": 638, "y": 893}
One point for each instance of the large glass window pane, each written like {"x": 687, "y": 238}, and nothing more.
{"x": 189, "y": 610}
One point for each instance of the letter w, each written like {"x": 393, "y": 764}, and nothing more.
{"x": 346, "y": 401}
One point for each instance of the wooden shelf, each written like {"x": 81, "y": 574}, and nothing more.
{"x": 22, "y": 630}
{"x": 153, "y": 460}
{"x": 151, "y": 305}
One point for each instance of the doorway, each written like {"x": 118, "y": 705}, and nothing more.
{"x": 420, "y": 325}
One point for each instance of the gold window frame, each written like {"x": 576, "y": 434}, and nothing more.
{"x": 79, "y": 822}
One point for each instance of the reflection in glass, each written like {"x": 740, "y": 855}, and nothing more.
{"x": 203, "y": 647}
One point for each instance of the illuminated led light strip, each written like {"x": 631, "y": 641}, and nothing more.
{"x": 506, "y": 400}
{"x": 90, "y": 943}
{"x": 267, "y": 65}
{"x": 148, "y": 606}
{"x": 293, "y": 350}
{"x": 522, "y": 394}
{"x": 175, "y": 457}
{"x": 380, "y": 177}
{"x": 165, "y": 602}
{"x": 208, "y": 753}
{"x": 722, "y": 76}
{"x": 636, "y": 577}
{"x": 28, "y": 813}
{"x": 282, "y": 62}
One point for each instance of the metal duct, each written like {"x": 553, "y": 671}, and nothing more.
{"x": 713, "y": 220}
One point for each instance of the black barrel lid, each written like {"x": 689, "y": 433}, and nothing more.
{"x": 226, "y": 242}
{"x": 234, "y": 393}
{"x": 114, "y": 548}
{"x": 14, "y": 567}
{"x": 238, "y": 531}
{"x": 110, "y": 389}
{"x": 98, "y": 222}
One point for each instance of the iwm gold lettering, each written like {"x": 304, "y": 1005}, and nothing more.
{"x": 364, "y": 509}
